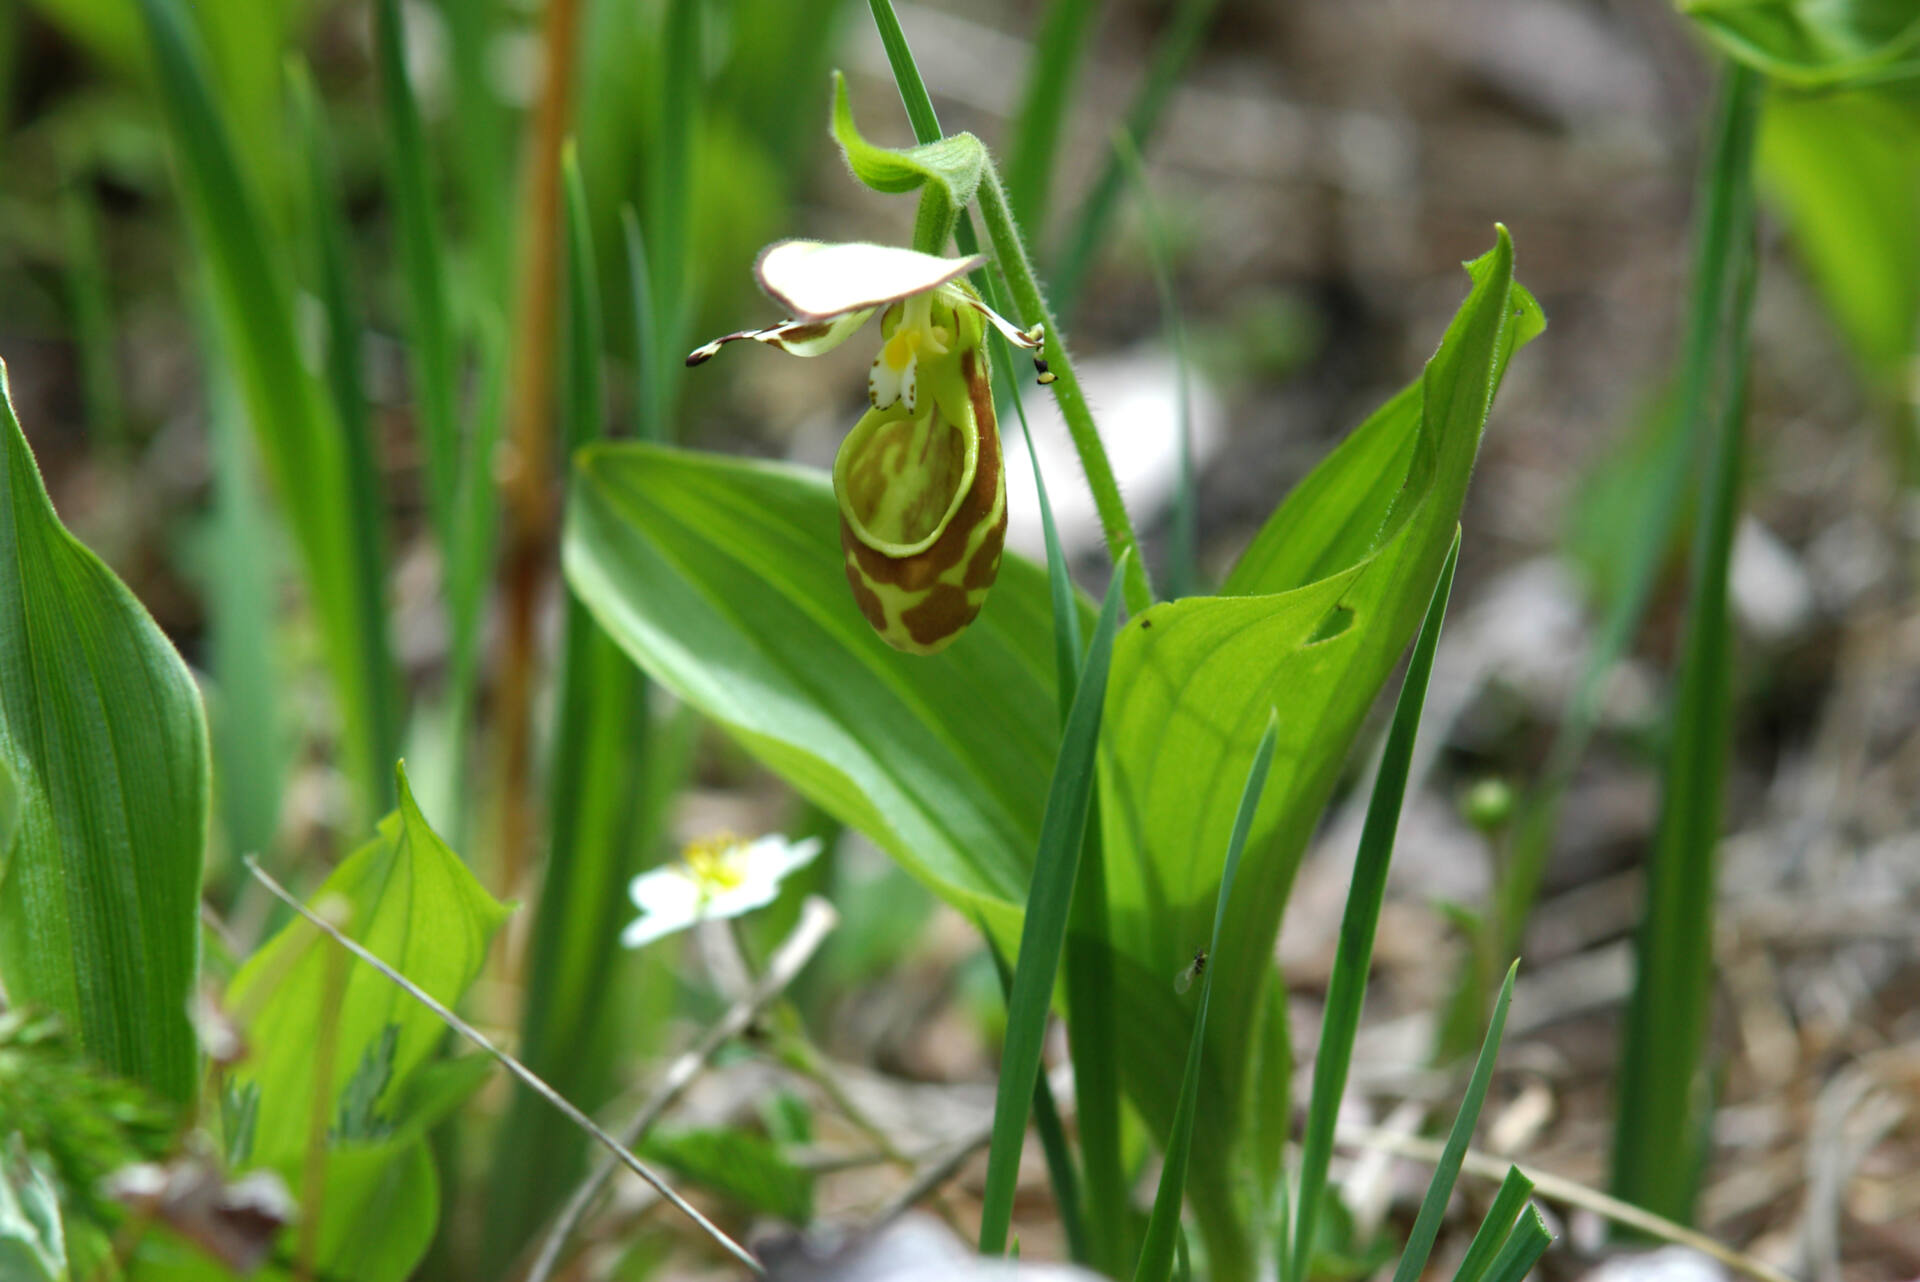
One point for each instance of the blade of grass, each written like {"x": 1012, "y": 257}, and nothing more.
{"x": 477, "y": 530}
{"x": 1426, "y": 1225}
{"x": 1163, "y": 1226}
{"x": 1171, "y": 57}
{"x": 1053, "y": 1134}
{"x": 334, "y": 516}
{"x": 430, "y": 350}
{"x": 1716, "y": 247}
{"x": 483, "y": 138}
{"x": 1555, "y": 1188}
{"x": 1062, "y": 828}
{"x": 598, "y": 741}
{"x": 1183, "y": 537}
{"x": 1094, "y": 1037}
{"x": 669, "y": 202}
{"x": 1011, "y": 253}
{"x": 328, "y": 263}
{"x": 1523, "y": 1249}
{"x": 650, "y": 401}
{"x": 329, "y": 503}
{"x": 1658, "y": 1125}
{"x": 583, "y": 402}
{"x": 90, "y": 298}
{"x": 1088, "y": 961}
{"x": 1496, "y": 1227}
{"x": 1066, "y": 616}
{"x": 1058, "y": 53}
{"x": 248, "y": 747}
{"x": 1347, "y": 988}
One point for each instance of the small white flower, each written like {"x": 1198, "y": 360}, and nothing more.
{"x": 715, "y": 878}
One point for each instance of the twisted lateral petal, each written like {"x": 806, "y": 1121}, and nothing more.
{"x": 797, "y": 337}
{"x": 923, "y": 513}
{"x": 817, "y": 280}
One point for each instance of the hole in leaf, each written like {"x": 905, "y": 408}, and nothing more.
{"x": 1338, "y": 620}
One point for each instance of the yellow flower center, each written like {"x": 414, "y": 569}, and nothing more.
{"x": 902, "y": 347}
{"x": 711, "y": 863}
{"x": 915, "y": 335}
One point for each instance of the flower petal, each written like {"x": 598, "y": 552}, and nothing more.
{"x": 892, "y": 377}
{"x": 739, "y": 900}
{"x": 772, "y": 858}
{"x": 1034, "y": 339}
{"x": 818, "y": 280}
{"x": 651, "y": 926}
{"x": 795, "y": 337}
{"x": 666, "y": 889}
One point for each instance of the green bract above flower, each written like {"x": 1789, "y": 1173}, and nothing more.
{"x": 832, "y": 290}
{"x": 716, "y": 878}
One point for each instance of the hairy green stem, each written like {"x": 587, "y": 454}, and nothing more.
{"x": 1011, "y": 252}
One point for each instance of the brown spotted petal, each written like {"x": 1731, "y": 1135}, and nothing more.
{"x": 923, "y": 512}
{"x": 795, "y": 337}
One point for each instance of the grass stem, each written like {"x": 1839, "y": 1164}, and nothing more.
{"x": 1659, "y": 1123}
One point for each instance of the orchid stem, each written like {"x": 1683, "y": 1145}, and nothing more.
{"x": 1032, "y": 305}
{"x": 1011, "y": 252}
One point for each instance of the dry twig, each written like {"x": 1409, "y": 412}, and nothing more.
{"x": 512, "y": 1065}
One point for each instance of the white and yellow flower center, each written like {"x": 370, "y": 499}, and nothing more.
{"x": 715, "y": 864}
{"x": 894, "y": 378}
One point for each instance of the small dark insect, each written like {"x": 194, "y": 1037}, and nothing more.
{"x": 1191, "y": 971}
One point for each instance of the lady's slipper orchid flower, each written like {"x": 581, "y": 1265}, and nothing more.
{"x": 716, "y": 878}
{"x": 923, "y": 500}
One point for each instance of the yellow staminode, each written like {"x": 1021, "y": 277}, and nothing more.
{"x": 902, "y": 348}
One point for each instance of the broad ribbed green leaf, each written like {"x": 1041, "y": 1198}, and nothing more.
{"x": 102, "y": 734}
{"x": 1157, "y": 1251}
{"x": 1816, "y": 42}
{"x": 413, "y": 903}
{"x": 1844, "y": 169}
{"x": 1343, "y": 572}
{"x": 33, "y": 1244}
{"x": 11, "y": 804}
{"x": 724, "y": 580}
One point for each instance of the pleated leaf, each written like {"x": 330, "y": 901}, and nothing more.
{"x": 103, "y": 795}
{"x": 1321, "y": 608}
{"x": 413, "y": 903}
{"x": 723, "y": 579}
{"x": 1816, "y": 43}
